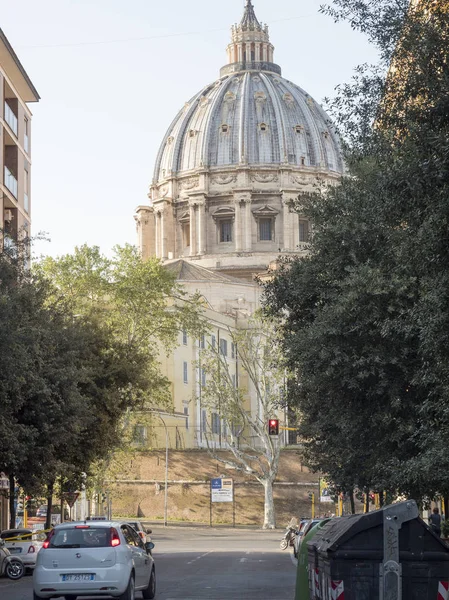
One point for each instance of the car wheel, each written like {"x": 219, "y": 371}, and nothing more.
{"x": 150, "y": 591}
{"x": 283, "y": 545}
{"x": 15, "y": 569}
{"x": 130, "y": 592}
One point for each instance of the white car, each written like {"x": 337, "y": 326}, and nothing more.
{"x": 23, "y": 543}
{"x": 94, "y": 558}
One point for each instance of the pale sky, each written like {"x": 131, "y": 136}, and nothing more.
{"x": 112, "y": 74}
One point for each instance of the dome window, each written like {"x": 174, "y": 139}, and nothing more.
{"x": 263, "y": 127}
{"x": 192, "y": 133}
{"x": 326, "y": 135}
{"x": 303, "y": 160}
{"x": 225, "y": 128}
{"x": 299, "y": 128}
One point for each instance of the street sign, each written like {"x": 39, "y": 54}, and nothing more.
{"x": 71, "y": 498}
{"x": 222, "y": 490}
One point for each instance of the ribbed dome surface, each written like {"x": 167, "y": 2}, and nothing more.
{"x": 249, "y": 118}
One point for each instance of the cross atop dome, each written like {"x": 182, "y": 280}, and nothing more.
{"x": 249, "y": 20}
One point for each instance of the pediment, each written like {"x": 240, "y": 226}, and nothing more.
{"x": 226, "y": 212}
{"x": 265, "y": 211}
{"x": 185, "y": 217}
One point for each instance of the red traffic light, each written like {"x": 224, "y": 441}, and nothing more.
{"x": 273, "y": 427}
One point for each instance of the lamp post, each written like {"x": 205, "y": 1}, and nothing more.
{"x": 166, "y": 472}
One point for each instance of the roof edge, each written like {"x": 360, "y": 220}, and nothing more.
{"x": 19, "y": 65}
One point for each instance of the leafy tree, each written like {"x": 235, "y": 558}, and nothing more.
{"x": 366, "y": 314}
{"x": 245, "y": 405}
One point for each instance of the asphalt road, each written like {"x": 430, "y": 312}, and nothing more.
{"x": 208, "y": 564}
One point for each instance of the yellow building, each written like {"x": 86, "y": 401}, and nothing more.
{"x": 16, "y": 92}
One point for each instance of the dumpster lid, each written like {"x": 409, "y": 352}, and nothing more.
{"x": 339, "y": 530}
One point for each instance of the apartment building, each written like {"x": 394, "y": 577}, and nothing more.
{"x": 16, "y": 93}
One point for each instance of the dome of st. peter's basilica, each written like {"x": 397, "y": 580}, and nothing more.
{"x": 233, "y": 163}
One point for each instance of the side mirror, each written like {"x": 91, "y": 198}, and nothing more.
{"x": 149, "y": 546}
{"x": 148, "y": 531}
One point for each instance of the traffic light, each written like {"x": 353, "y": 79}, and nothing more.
{"x": 273, "y": 427}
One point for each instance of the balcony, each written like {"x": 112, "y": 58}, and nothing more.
{"x": 11, "y": 118}
{"x": 10, "y": 182}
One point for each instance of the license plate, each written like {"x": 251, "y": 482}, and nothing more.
{"x": 15, "y": 550}
{"x": 79, "y": 577}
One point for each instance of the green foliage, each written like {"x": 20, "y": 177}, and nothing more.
{"x": 79, "y": 343}
{"x": 365, "y": 317}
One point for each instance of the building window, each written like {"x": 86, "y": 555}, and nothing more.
{"x": 216, "y": 423}
{"x": 185, "y": 372}
{"x": 223, "y": 347}
{"x": 232, "y": 350}
{"x": 186, "y": 234}
{"x": 26, "y": 198}
{"x": 265, "y": 230}
{"x": 226, "y": 231}
{"x": 140, "y": 434}
{"x": 186, "y": 412}
{"x": 213, "y": 341}
{"x": 203, "y": 377}
{"x": 26, "y": 139}
{"x": 202, "y": 342}
{"x": 184, "y": 337}
{"x": 303, "y": 230}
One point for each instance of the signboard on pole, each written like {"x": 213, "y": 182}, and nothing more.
{"x": 71, "y": 498}
{"x": 222, "y": 490}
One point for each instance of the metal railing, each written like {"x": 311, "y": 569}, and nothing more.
{"x": 11, "y": 118}
{"x": 10, "y": 182}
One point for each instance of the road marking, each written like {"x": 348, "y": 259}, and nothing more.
{"x": 198, "y": 557}
{"x": 243, "y": 560}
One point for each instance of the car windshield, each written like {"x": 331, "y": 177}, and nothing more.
{"x": 89, "y": 537}
{"x": 14, "y": 533}
{"x": 134, "y": 525}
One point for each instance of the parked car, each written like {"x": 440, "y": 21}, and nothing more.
{"x": 42, "y": 511}
{"x": 92, "y": 558}
{"x": 304, "y": 528}
{"x": 145, "y": 534}
{"x": 23, "y": 543}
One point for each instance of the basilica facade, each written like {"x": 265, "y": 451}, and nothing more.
{"x": 224, "y": 202}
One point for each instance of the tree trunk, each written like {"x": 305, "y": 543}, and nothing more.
{"x": 351, "y": 499}
{"x": 269, "y": 516}
{"x": 50, "y": 488}
{"x": 12, "y": 503}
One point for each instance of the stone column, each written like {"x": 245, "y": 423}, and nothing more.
{"x": 248, "y": 225}
{"x": 257, "y": 52}
{"x": 287, "y": 225}
{"x": 238, "y": 225}
{"x": 157, "y": 235}
{"x": 193, "y": 250}
{"x": 163, "y": 233}
{"x": 240, "y": 52}
{"x": 202, "y": 243}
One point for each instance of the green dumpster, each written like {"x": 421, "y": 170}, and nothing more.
{"x": 302, "y": 573}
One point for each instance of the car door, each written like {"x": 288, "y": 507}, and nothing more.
{"x": 146, "y": 560}
{"x": 136, "y": 554}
